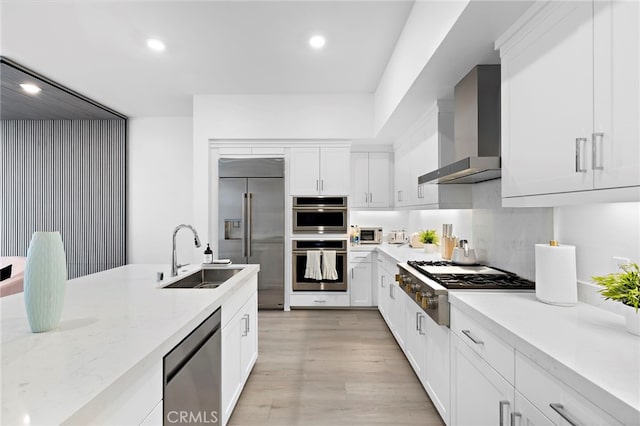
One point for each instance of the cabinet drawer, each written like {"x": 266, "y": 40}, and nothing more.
{"x": 490, "y": 347}
{"x": 320, "y": 300}
{"x": 360, "y": 257}
{"x": 543, "y": 389}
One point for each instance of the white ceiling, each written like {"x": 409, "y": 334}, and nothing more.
{"x": 97, "y": 47}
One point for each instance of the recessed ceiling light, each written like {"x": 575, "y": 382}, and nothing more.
{"x": 155, "y": 44}
{"x": 317, "y": 41}
{"x": 31, "y": 89}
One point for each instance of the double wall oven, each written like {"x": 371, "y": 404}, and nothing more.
{"x": 317, "y": 221}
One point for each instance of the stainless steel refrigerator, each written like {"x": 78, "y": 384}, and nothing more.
{"x": 251, "y": 221}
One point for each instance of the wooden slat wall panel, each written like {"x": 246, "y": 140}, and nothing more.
{"x": 67, "y": 176}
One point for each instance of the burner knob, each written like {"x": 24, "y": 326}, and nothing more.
{"x": 432, "y": 302}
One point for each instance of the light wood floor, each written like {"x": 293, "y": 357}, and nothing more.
{"x": 320, "y": 367}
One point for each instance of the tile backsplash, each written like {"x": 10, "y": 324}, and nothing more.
{"x": 506, "y": 237}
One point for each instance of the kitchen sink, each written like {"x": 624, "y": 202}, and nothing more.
{"x": 206, "y": 278}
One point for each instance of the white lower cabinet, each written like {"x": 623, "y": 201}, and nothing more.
{"x": 494, "y": 384}
{"x": 424, "y": 343}
{"x": 239, "y": 353}
{"x": 479, "y": 395}
{"x": 360, "y": 279}
{"x": 436, "y": 373}
{"x": 415, "y": 336}
{"x": 396, "y": 313}
{"x": 555, "y": 399}
{"x": 382, "y": 285}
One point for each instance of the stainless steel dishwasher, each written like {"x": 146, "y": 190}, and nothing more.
{"x": 191, "y": 391}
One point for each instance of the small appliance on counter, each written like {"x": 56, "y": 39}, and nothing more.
{"x": 463, "y": 255}
{"x": 370, "y": 235}
{"x": 415, "y": 240}
{"x": 556, "y": 277}
{"x": 397, "y": 237}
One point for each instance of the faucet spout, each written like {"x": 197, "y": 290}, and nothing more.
{"x": 174, "y": 256}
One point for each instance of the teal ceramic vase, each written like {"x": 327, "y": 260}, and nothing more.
{"x": 45, "y": 279}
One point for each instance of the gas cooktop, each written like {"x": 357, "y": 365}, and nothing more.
{"x": 476, "y": 276}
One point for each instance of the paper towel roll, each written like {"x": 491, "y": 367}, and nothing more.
{"x": 556, "y": 281}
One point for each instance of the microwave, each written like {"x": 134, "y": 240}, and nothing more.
{"x": 370, "y": 235}
{"x": 320, "y": 215}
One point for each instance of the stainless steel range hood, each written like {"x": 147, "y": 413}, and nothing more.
{"x": 477, "y": 130}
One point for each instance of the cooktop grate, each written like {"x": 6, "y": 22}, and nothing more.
{"x": 505, "y": 280}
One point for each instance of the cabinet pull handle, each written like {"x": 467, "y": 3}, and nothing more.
{"x": 382, "y": 281}
{"x": 473, "y": 339}
{"x": 559, "y": 408}
{"x": 513, "y": 419}
{"x": 317, "y": 185}
{"x": 502, "y": 405}
{"x": 596, "y": 149}
{"x": 579, "y": 142}
{"x": 321, "y": 185}
{"x": 417, "y": 321}
{"x": 351, "y": 273}
{"x": 366, "y": 197}
{"x": 245, "y": 318}
{"x": 319, "y": 301}
{"x": 391, "y": 291}
{"x": 420, "y": 325}
{"x": 371, "y": 197}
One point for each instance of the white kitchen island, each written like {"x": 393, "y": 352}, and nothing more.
{"x": 103, "y": 364}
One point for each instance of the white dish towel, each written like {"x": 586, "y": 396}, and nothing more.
{"x": 312, "y": 269}
{"x": 329, "y": 265}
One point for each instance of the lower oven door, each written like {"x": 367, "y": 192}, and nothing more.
{"x": 299, "y": 264}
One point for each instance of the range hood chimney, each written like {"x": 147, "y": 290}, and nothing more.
{"x": 477, "y": 130}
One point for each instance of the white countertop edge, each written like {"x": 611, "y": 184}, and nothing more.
{"x": 623, "y": 410}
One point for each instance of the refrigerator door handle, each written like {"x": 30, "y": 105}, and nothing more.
{"x": 244, "y": 225}
{"x": 249, "y": 220}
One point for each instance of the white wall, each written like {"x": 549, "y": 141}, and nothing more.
{"x": 599, "y": 232}
{"x": 160, "y": 189}
{"x": 270, "y": 117}
{"x": 426, "y": 27}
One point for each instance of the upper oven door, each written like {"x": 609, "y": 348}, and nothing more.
{"x": 319, "y": 215}
{"x": 319, "y": 221}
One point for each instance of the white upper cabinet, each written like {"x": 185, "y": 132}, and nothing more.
{"x": 319, "y": 171}
{"x": 427, "y": 147}
{"x": 617, "y": 93}
{"x": 570, "y": 96}
{"x": 370, "y": 180}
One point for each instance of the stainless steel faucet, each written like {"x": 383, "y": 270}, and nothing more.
{"x": 174, "y": 259}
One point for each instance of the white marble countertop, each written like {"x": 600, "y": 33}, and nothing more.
{"x": 584, "y": 346}
{"x": 112, "y": 322}
{"x": 400, "y": 252}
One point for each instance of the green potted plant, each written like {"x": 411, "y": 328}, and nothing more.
{"x": 624, "y": 287}
{"x": 430, "y": 240}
